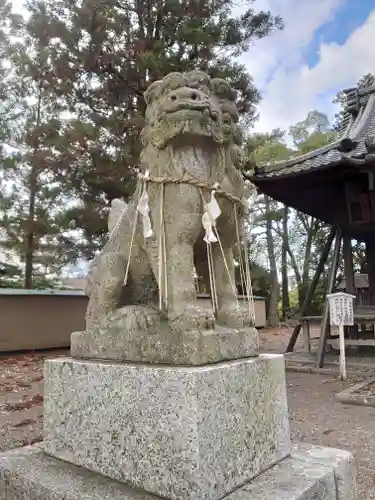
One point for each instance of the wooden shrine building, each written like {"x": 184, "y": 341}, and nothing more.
{"x": 335, "y": 184}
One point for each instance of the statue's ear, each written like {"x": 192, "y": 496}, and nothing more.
{"x": 223, "y": 90}
{"x": 152, "y": 92}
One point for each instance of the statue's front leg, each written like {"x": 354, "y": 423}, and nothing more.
{"x": 231, "y": 312}
{"x": 182, "y": 226}
{"x": 183, "y": 309}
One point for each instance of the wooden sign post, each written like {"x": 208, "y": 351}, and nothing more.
{"x": 341, "y": 314}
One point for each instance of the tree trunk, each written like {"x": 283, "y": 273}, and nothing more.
{"x": 273, "y": 316}
{"x": 29, "y": 252}
{"x": 284, "y": 266}
{"x": 304, "y": 285}
{"x": 30, "y": 237}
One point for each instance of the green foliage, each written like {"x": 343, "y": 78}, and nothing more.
{"x": 314, "y": 141}
{"x": 98, "y": 59}
{"x": 315, "y": 124}
{"x": 32, "y": 200}
{"x": 261, "y": 280}
{"x": 305, "y": 236}
{"x": 10, "y": 276}
{"x": 266, "y": 148}
{"x": 72, "y": 77}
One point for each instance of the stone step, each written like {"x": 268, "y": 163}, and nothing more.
{"x": 311, "y": 473}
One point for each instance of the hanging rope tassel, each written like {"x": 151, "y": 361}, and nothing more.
{"x": 161, "y": 250}
{"x": 232, "y": 284}
{"x": 163, "y": 276}
{"x": 242, "y": 270}
{"x": 211, "y": 213}
{"x": 144, "y": 208}
{"x": 212, "y": 279}
{"x": 245, "y": 279}
{"x": 165, "y": 267}
{"x": 131, "y": 247}
{"x": 249, "y": 288}
{"x": 209, "y": 238}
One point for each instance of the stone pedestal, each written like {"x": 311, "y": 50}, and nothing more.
{"x": 118, "y": 431}
{"x": 310, "y": 473}
{"x": 122, "y": 340}
{"x": 183, "y": 433}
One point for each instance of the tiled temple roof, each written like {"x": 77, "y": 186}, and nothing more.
{"x": 355, "y": 140}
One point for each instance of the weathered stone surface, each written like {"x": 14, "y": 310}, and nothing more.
{"x": 29, "y": 474}
{"x": 342, "y": 461}
{"x": 192, "y": 148}
{"x": 136, "y": 334}
{"x": 291, "y": 479}
{"x": 178, "y": 432}
{"x": 357, "y": 394}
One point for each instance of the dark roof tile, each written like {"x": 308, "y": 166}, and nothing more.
{"x": 358, "y": 123}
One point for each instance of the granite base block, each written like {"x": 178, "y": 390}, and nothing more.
{"x": 341, "y": 461}
{"x": 183, "y": 433}
{"x": 29, "y": 474}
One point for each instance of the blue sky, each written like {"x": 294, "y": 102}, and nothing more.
{"x": 348, "y": 17}
{"x": 326, "y": 45}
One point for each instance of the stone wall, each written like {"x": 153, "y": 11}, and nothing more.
{"x": 39, "y": 319}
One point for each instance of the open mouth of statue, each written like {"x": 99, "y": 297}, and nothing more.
{"x": 203, "y": 108}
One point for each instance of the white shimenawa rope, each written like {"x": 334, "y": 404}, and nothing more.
{"x": 131, "y": 246}
{"x": 242, "y": 270}
{"x": 249, "y": 288}
{"x": 232, "y": 284}
{"x": 142, "y": 208}
{"x": 165, "y": 265}
{"x": 163, "y": 278}
{"x": 207, "y": 221}
{"x": 212, "y": 238}
{"x": 212, "y": 279}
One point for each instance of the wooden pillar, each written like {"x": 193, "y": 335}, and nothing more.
{"x": 349, "y": 276}
{"x": 311, "y": 290}
{"x": 306, "y": 336}
{"x": 370, "y": 254}
{"x": 331, "y": 283}
{"x": 348, "y": 264}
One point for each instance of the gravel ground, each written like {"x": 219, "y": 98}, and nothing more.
{"x": 21, "y": 398}
{"x": 315, "y": 415}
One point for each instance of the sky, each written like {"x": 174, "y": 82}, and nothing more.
{"x": 326, "y": 46}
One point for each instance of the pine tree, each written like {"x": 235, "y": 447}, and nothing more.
{"x": 101, "y": 55}
{"x": 32, "y": 201}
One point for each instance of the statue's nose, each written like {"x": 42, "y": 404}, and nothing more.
{"x": 187, "y": 93}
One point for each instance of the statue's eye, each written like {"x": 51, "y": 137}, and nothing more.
{"x": 173, "y": 97}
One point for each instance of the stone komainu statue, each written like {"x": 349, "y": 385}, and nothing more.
{"x": 192, "y": 144}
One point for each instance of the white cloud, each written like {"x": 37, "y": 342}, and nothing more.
{"x": 290, "y": 87}
{"x": 285, "y": 48}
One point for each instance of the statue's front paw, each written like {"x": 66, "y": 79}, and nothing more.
{"x": 191, "y": 317}
{"x": 235, "y": 315}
